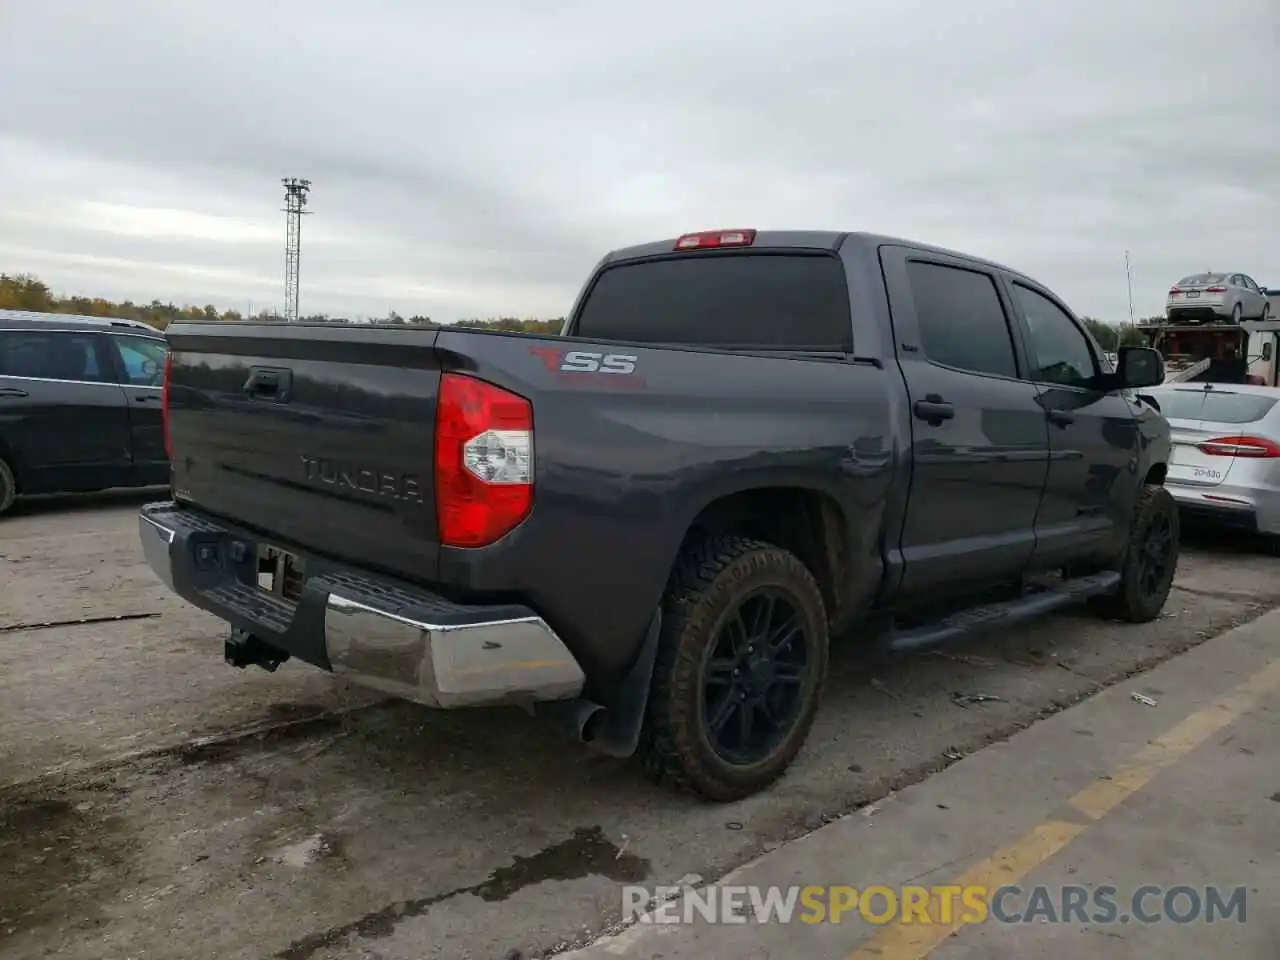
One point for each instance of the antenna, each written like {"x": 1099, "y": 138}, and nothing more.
{"x": 295, "y": 199}
{"x": 1128, "y": 272}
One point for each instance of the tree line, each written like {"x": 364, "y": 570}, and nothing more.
{"x": 23, "y": 291}
{"x": 26, "y": 292}
{"x": 1111, "y": 336}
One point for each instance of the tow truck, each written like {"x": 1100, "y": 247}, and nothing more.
{"x": 1242, "y": 352}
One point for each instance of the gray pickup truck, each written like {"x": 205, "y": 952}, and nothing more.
{"x": 742, "y": 446}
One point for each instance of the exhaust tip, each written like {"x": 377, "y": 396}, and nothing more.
{"x": 580, "y": 719}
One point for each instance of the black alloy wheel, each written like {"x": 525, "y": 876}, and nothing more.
{"x": 753, "y": 678}
{"x": 1157, "y": 554}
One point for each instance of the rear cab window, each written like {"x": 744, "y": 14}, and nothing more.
{"x": 758, "y": 300}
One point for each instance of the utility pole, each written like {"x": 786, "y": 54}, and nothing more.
{"x": 295, "y": 200}
{"x": 1128, "y": 272}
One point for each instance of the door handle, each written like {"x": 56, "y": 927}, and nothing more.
{"x": 146, "y": 398}
{"x": 933, "y": 410}
{"x": 269, "y": 383}
{"x": 13, "y": 392}
{"x": 1062, "y": 418}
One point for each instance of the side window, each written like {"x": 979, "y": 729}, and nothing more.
{"x": 1060, "y": 349}
{"x": 962, "y": 322}
{"x": 49, "y": 355}
{"x": 141, "y": 359}
{"x": 1248, "y": 282}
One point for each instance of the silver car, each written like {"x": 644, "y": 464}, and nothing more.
{"x": 1215, "y": 297}
{"x": 1225, "y": 465}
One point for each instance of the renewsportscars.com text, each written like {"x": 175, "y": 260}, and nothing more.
{"x": 948, "y": 905}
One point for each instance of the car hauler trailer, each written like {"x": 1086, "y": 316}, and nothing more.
{"x": 1218, "y": 352}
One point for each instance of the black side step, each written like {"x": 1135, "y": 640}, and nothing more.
{"x": 976, "y": 619}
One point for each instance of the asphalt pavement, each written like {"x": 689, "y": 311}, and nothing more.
{"x": 156, "y": 803}
{"x": 1138, "y": 823}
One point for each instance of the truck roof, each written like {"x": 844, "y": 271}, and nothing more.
{"x": 811, "y": 240}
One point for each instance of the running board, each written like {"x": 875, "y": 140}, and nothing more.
{"x": 976, "y": 619}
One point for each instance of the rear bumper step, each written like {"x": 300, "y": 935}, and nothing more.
{"x": 389, "y": 636}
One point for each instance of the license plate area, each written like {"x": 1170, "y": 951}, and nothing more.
{"x": 1191, "y": 294}
{"x": 280, "y": 573}
{"x": 1189, "y": 465}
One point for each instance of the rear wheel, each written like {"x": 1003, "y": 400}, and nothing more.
{"x": 8, "y": 487}
{"x": 741, "y": 663}
{"x": 1236, "y": 313}
{"x": 1266, "y": 312}
{"x": 1150, "y": 561}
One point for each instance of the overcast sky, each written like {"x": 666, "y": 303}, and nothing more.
{"x": 476, "y": 158}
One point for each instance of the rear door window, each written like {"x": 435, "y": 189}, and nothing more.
{"x": 50, "y": 355}
{"x": 961, "y": 318}
{"x": 770, "y": 301}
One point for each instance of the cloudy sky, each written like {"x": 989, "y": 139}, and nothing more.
{"x": 475, "y": 159}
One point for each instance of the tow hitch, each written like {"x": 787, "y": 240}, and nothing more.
{"x": 243, "y": 649}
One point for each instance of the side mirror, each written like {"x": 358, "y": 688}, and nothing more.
{"x": 1139, "y": 367}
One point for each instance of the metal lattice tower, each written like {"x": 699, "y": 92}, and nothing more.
{"x": 295, "y": 200}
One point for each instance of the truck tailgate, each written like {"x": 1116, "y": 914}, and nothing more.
{"x": 317, "y": 435}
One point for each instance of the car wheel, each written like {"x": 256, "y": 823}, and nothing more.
{"x": 741, "y": 662}
{"x": 1266, "y": 312}
{"x": 8, "y": 487}
{"x": 1150, "y": 560}
{"x": 1237, "y": 312}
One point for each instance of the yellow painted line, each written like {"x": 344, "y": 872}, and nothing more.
{"x": 1102, "y": 796}
{"x": 1010, "y": 864}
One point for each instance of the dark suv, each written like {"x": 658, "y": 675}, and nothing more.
{"x": 80, "y": 404}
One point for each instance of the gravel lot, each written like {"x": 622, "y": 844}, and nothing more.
{"x": 155, "y": 803}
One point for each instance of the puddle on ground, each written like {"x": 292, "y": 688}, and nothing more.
{"x": 588, "y": 852}
{"x": 62, "y": 855}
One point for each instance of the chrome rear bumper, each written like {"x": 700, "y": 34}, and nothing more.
{"x": 448, "y": 665}
{"x": 393, "y": 637}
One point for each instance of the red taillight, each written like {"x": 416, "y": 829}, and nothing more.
{"x": 1215, "y": 289}
{"x": 711, "y": 239}
{"x": 1257, "y": 448}
{"x": 484, "y": 461}
{"x": 164, "y": 405}
{"x": 1174, "y": 291}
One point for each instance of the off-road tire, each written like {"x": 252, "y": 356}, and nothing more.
{"x": 1130, "y": 602}
{"x": 710, "y": 578}
{"x": 8, "y": 487}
